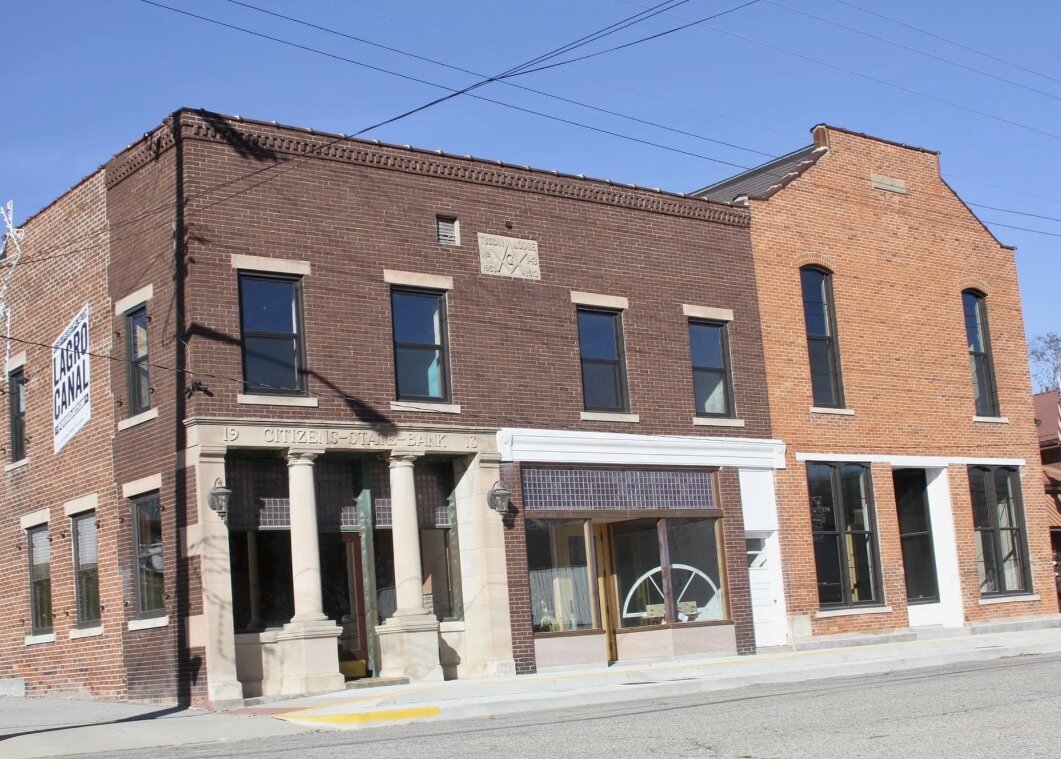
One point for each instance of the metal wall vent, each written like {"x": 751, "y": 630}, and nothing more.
{"x": 448, "y": 230}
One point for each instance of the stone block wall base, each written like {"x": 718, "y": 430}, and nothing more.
{"x": 309, "y": 657}
{"x": 408, "y": 647}
{"x": 223, "y": 692}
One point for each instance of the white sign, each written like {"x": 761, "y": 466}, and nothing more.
{"x": 71, "y": 401}
{"x": 508, "y": 257}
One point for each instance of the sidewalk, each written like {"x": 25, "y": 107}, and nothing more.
{"x": 37, "y": 727}
{"x": 460, "y": 699}
{"x": 32, "y": 727}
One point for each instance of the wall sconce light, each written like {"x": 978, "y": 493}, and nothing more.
{"x": 218, "y": 499}
{"x": 499, "y": 498}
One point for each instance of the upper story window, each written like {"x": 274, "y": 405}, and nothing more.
{"x": 985, "y": 396}
{"x": 712, "y": 382}
{"x": 150, "y": 564}
{"x": 138, "y": 380}
{"x": 421, "y": 364}
{"x": 821, "y": 337}
{"x": 16, "y": 388}
{"x": 1001, "y": 557}
{"x": 271, "y": 331}
{"x": 40, "y": 580}
{"x": 844, "y": 535}
{"x": 600, "y": 341}
{"x": 86, "y": 568}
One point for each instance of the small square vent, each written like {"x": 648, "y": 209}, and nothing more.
{"x": 447, "y": 228}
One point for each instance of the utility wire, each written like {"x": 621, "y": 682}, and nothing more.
{"x": 870, "y": 78}
{"x": 342, "y": 137}
{"x": 949, "y": 41}
{"x": 645, "y": 39}
{"x": 912, "y": 49}
{"x": 505, "y": 81}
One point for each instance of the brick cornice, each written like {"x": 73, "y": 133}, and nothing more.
{"x": 270, "y": 141}
{"x": 139, "y": 154}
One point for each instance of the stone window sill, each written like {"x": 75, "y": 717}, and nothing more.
{"x": 277, "y": 400}
{"x": 826, "y": 613}
{"x": 1024, "y": 597}
{"x": 133, "y": 421}
{"x": 86, "y": 632}
{"x": 717, "y": 421}
{"x": 991, "y": 419}
{"x": 16, "y": 464}
{"x": 452, "y": 625}
{"x": 33, "y": 640}
{"x": 427, "y": 407}
{"x": 833, "y": 411}
{"x": 607, "y": 416}
{"x": 148, "y": 623}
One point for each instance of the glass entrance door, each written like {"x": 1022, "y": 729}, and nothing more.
{"x": 915, "y": 534}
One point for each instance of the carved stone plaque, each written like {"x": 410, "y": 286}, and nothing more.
{"x": 508, "y": 257}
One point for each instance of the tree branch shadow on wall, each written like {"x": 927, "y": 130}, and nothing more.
{"x": 361, "y": 410}
{"x": 245, "y": 147}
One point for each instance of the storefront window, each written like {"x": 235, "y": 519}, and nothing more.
{"x": 695, "y": 577}
{"x": 559, "y": 575}
{"x": 639, "y": 573}
{"x": 687, "y": 588}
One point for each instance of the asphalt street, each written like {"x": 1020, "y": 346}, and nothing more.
{"x": 1004, "y": 708}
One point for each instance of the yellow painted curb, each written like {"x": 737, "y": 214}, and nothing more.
{"x": 383, "y": 715}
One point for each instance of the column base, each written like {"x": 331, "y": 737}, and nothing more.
{"x": 309, "y": 657}
{"x": 408, "y": 647}
{"x": 227, "y": 691}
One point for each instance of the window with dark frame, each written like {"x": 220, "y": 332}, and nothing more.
{"x": 915, "y": 535}
{"x": 86, "y": 568}
{"x": 271, "y": 334}
{"x": 712, "y": 380}
{"x": 421, "y": 363}
{"x": 16, "y": 388}
{"x": 846, "y": 557}
{"x": 150, "y": 564}
{"x": 138, "y": 379}
{"x": 40, "y": 580}
{"x": 600, "y": 341}
{"x": 998, "y": 520}
{"x": 820, "y": 320}
{"x": 985, "y": 396}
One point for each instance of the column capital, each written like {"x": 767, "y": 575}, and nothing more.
{"x": 297, "y": 456}
{"x": 214, "y": 452}
{"x": 403, "y": 458}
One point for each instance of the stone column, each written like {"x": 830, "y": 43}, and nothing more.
{"x": 484, "y": 575}
{"x": 222, "y": 681}
{"x": 308, "y": 643}
{"x": 408, "y": 641}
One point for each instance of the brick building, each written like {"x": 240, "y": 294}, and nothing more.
{"x": 1048, "y": 422}
{"x": 897, "y": 377}
{"x": 323, "y": 407}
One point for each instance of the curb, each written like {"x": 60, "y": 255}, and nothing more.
{"x": 622, "y": 691}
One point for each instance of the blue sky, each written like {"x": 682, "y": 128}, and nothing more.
{"x": 83, "y": 79}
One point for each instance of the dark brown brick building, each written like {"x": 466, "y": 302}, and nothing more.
{"x": 349, "y": 408}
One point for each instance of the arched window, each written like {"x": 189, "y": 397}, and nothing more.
{"x": 974, "y": 304}
{"x": 822, "y": 349}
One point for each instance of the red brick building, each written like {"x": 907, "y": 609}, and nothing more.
{"x": 338, "y": 408}
{"x": 898, "y": 380}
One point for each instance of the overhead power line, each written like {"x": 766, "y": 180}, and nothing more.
{"x": 208, "y": 190}
{"x": 912, "y": 49}
{"x": 868, "y": 77}
{"x": 504, "y": 81}
{"x": 949, "y": 41}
